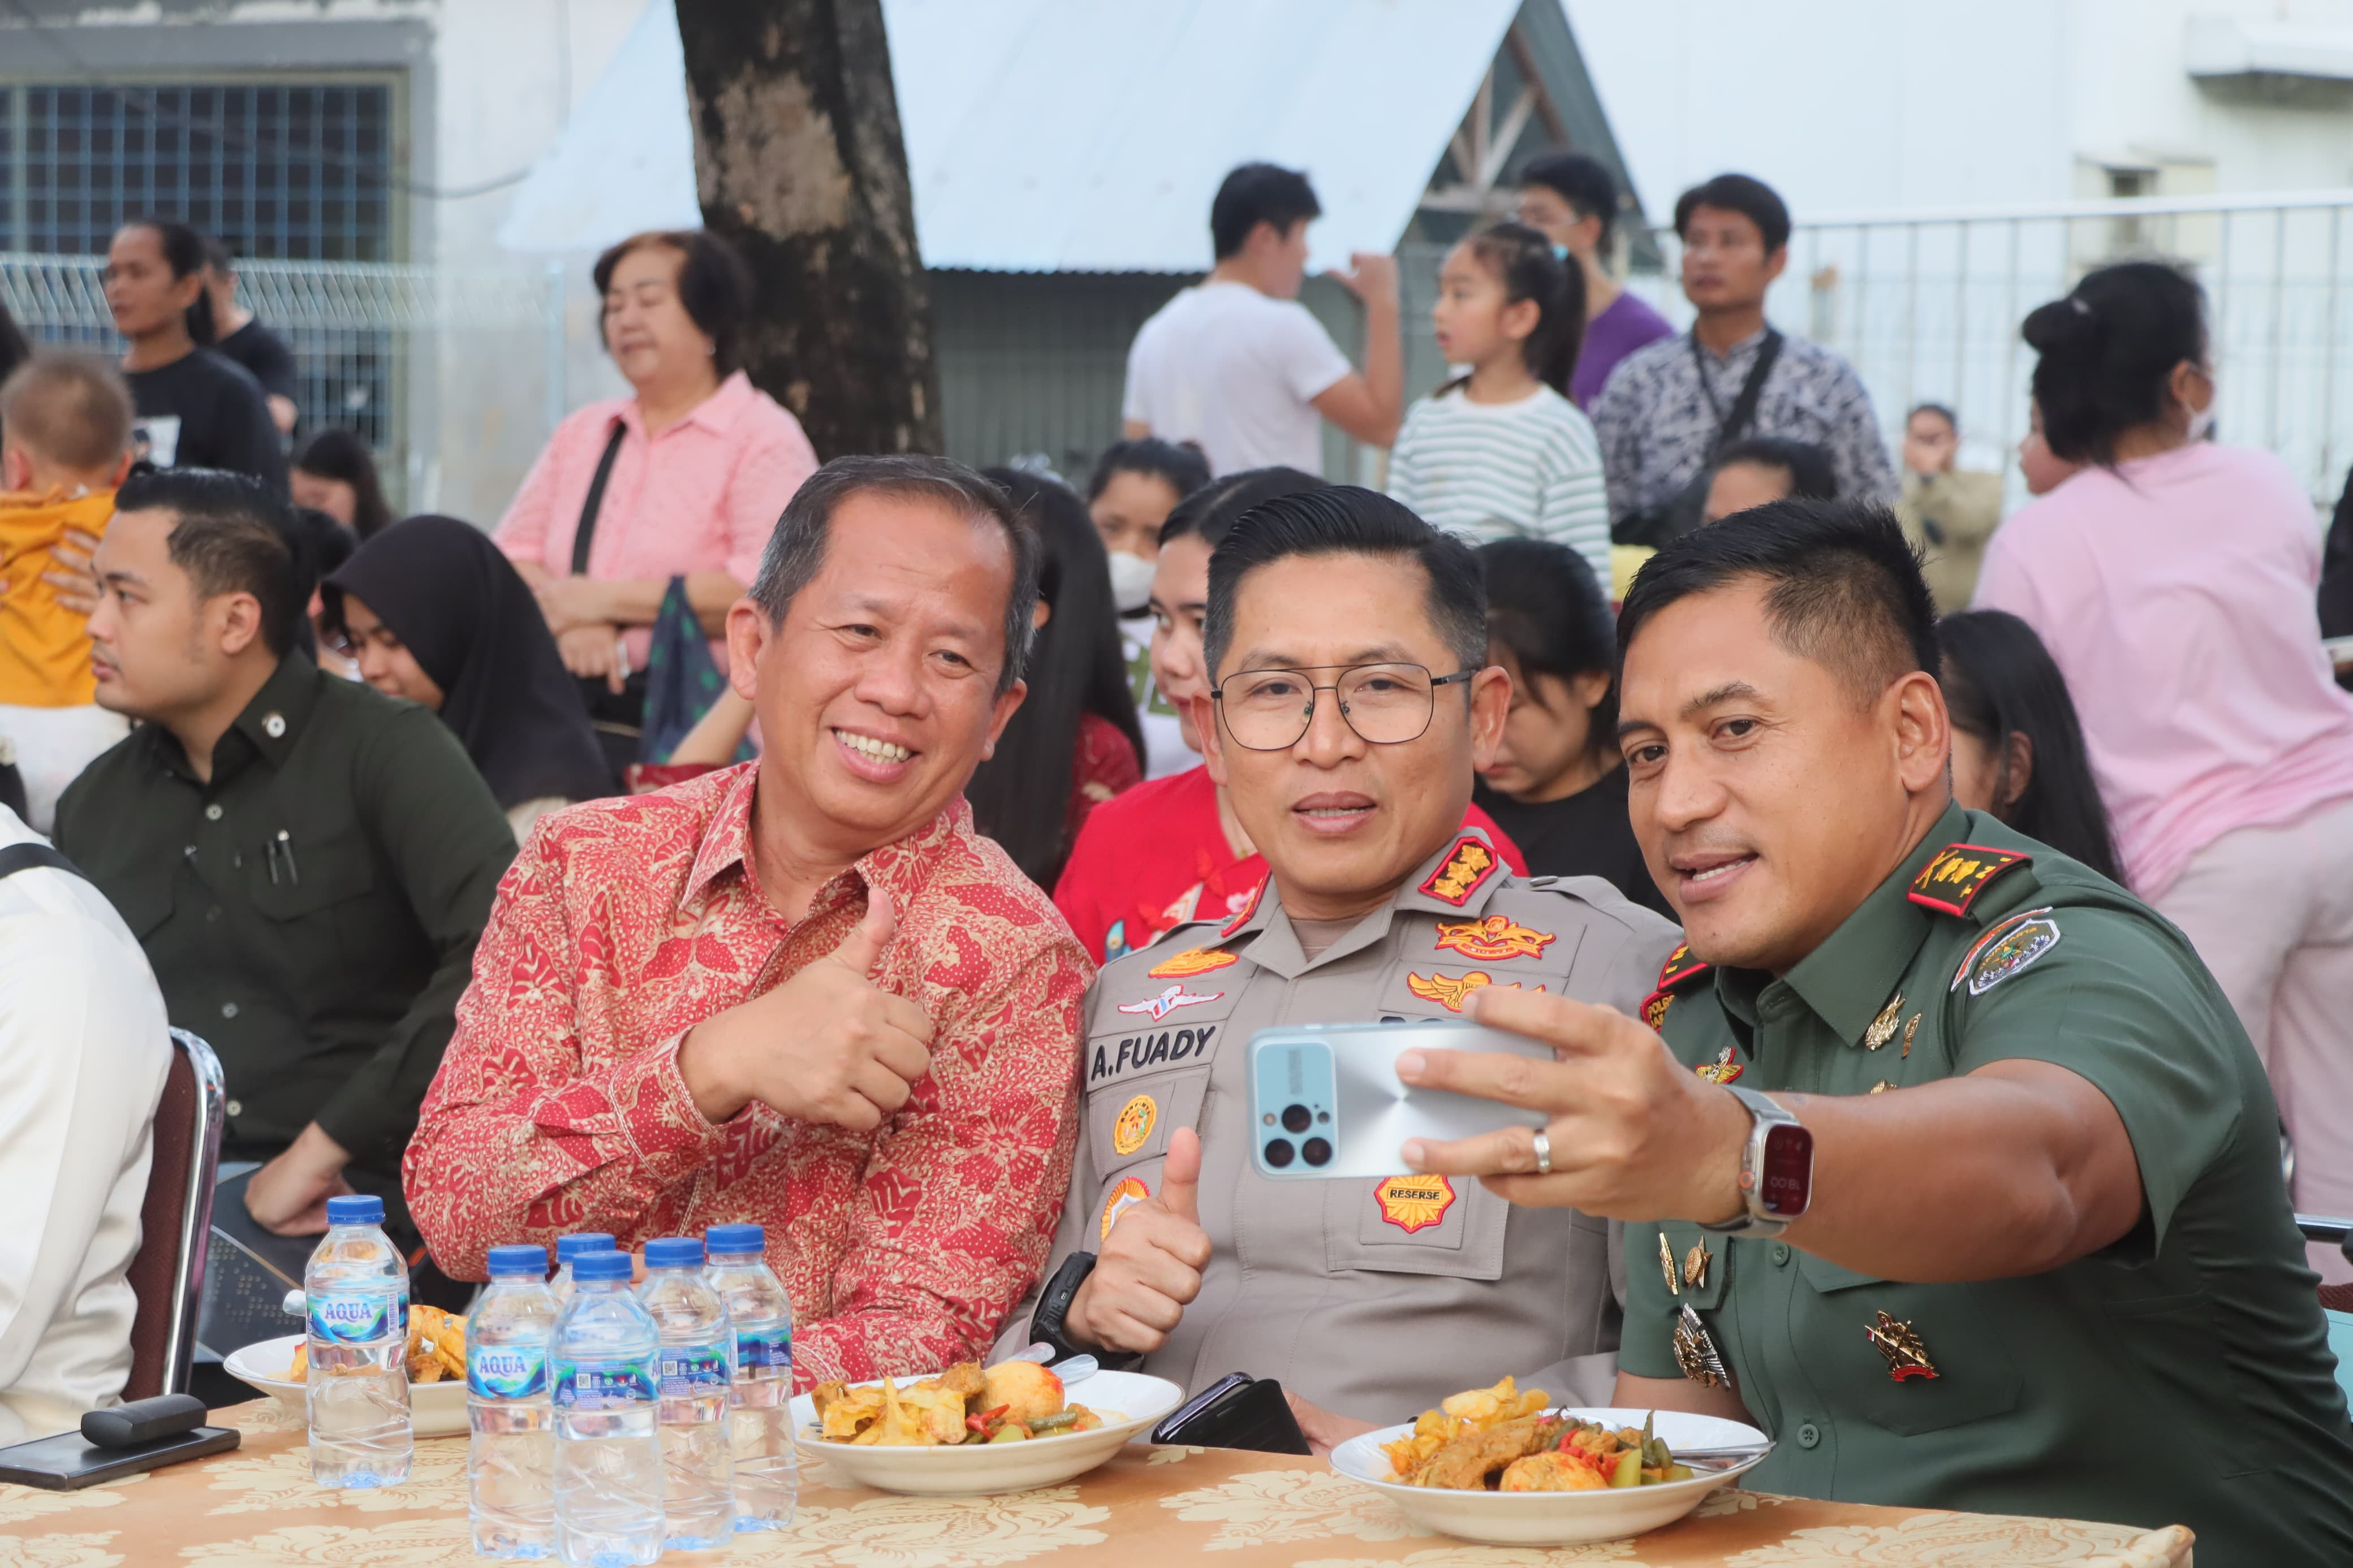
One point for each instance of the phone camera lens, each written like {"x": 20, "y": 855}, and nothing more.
{"x": 1316, "y": 1151}
{"x": 1295, "y": 1118}
{"x": 1279, "y": 1151}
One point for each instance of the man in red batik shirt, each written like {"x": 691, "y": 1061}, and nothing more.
{"x": 801, "y": 992}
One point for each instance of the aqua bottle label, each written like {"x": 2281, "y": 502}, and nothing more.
{"x": 506, "y": 1372}
{"x": 355, "y": 1318}
{"x": 764, "y": 1347}
{"x": 608, "y": 1385}
{"x": 692, "y": 1368}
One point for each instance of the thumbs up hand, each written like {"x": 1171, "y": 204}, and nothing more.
{"x": 1150, "y": 1266}
{"x": 828, "y": 1045}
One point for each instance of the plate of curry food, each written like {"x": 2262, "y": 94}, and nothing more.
{"x": 1498, "y": 1464}
{"x": 974, "y": 1429}
{"x": 436, "y": 1364}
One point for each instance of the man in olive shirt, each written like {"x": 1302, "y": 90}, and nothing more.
{"x": 2042, "y": 1236}
{"x": 306, "y": 862}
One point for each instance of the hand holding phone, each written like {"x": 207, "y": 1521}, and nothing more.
{"x": 1327, "y": 1100}
{"x": 1150, "y": 1266}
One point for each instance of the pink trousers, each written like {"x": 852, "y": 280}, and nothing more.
{"x": 2270, "y": 911}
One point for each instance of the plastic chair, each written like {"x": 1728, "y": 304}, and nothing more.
{"x": 167, "y": 1272}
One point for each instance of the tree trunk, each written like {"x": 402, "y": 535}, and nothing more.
{"x": 799, "y": 163}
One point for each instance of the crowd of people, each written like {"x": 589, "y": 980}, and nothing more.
{"x": 899, "y": 856}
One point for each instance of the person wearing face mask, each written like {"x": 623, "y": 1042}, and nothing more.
{"x": 2173, "y": 581}
{"x": 683, "y": 479}
{"x": 1572, "y": 200}
{"x": 1136, "y": 484}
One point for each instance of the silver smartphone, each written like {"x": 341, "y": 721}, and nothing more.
{"x": 1326, "y": 1101}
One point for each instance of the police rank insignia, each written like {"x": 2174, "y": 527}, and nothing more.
{"x": 1414, "y": 1203}
{"x": 1448, "y": 992}
{"x": 1123, "y": 1197}
{"x": 2006, "y": 949}
{"x": 1724, "y": 1069}
{"x": 1191, "y": 961}
{"x": 1133, "y": 1129}
{"x": 1883, "y": 1029}
{"x": 1468, "y": 865}
{"x": 1907, "y": 1358}
{"x": 1951, "y": 882}
{"x": 1695, "y": 1351}
{"x": 1491, "y": 939}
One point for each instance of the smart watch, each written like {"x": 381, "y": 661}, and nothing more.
{"x": 1054, "y": 1303}
{"x": 1776, "y": 1168}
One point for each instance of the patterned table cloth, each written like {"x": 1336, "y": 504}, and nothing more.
{"x": 256, "y": 1508}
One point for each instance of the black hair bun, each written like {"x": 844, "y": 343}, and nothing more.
{"x": 2064, "y": 326}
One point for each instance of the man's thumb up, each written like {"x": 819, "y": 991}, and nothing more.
{"x": 1180, "y": 1176}
{"x": 862, "y": 951}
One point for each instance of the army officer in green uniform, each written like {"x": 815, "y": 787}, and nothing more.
{"x": 1967, "y": 1180}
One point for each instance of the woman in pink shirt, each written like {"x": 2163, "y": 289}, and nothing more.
{"x": 695, "y": 469}
{"x": 2173, "y": 581}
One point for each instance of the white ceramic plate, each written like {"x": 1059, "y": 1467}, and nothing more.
{"x": 1128, "y": 1401}
{"x": 437, "y": 1409}
{"x": 1557, "y": 1519}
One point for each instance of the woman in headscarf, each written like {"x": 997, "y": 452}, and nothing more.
{"x": 432, "y": 611}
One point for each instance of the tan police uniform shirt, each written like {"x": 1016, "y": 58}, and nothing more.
{"x": 1373, "y": 1300}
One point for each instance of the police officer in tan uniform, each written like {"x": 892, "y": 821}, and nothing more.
{"x": 1352, "y": 704}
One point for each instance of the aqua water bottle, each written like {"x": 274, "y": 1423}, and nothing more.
{"x": 697, "y": 1379}
{"x": 609, "y": 1457}
{"x": 355, "y": 1295}
{"x": 760, "y": 1416}
{"x": 510, "y": 1453}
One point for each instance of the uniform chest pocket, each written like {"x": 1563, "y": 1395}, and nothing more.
{"x": 290, "y": 879}
{"x": 1129, "y": 1123}
{"x": 1951, "y": 1329}
{"x": 1414, "y": 1225}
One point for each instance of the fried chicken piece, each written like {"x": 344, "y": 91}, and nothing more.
{"x": 964, "y": 1380}
{"x": 1467, "y": 1463}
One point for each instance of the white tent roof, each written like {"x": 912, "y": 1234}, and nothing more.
{"x": 1076, "y": 135}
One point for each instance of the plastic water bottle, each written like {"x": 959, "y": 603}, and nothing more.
{"x": 568, "y": 1247}
{"x": 609, "y": 1457}
{"x": 355, "y": 1295}
{"x": 510, "y": 1462}
{"x": 697, "y": 1377}
{"x": 767, "y": 1481}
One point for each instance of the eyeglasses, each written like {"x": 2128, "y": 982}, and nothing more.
{"x": 1386, "y": 704}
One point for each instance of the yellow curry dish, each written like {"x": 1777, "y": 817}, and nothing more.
{"x": 1503, "y": 1439}
{"x": 1012, "y": 1401}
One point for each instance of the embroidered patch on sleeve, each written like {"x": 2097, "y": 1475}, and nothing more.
{"x": 1492, "y": 940}
{"x": 1414, "y": 1203}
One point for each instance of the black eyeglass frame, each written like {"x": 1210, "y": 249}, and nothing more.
{"x": 1217, "y": 696}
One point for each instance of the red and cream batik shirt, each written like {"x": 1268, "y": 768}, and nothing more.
{"x": 560, "y": 1106}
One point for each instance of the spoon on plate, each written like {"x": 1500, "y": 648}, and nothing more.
{"x": 1076, "y": 1369}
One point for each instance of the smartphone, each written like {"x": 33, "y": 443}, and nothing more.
{"x": 1238, "y": 1411}
{"x": 69, "y": 1460}
{"x": 1325, "y": 1101}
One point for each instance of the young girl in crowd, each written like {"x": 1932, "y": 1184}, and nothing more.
{"x": 1501, "y": 450}
{"x": 336, "y": 473}
{"x": 2018, "y": 750}
{"x": 1073, "y": 744}
{"x": 431, "y": 611}
{"x": 1556, "y": 785}
{"x": 1135, "y": 486}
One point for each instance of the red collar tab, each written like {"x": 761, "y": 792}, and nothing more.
{"x": 1464, "y": 870}
{"x": 1951, "y": 882}
{"x": 1679, "y": 967}
{"x": 1242, "y": 917}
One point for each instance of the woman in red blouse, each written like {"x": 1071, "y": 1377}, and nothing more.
{"x": 1076, "y": 742}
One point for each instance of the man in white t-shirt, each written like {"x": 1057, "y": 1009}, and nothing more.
{"x": 83, "y": 1053}
{"x": 1237, "y": 366}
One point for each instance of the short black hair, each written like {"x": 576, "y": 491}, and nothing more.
{"x": 233, "y": 535}
{"x": 1547, "y": 608}
{"x": 2108, "y": 353}
{"x": 1181, "y": 467}
{"x": 1585, "y": 182}
{"x": 183, "y": 247}
{"x": 1751, "y": 198}
{"x": 1812, "y": 475}
{"x": 1844, "y": 586}
{"x": 1210, "y": 513}
{"x": 795, "y": 552}
{"x": 1345, "y": 520}
{"x": 714, "y": 285}
{"x": 1952, "y": 421}
{"x": 1256, "y": 194}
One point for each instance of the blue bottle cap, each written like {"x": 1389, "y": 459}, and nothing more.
{"x": 674, "y": 1252}
{"x": 521, "y": 1259}
{"x": 601, "y": 1266}
{"x": 355, "y": 1208}
{"x": 733, "y": 1238}
{"x": 568, "y": 1247}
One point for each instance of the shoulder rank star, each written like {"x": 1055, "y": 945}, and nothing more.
{"x": 1883, "y": 1029}
{"x": 1724, "y": 1069}
{"x": 1907, "y": 1358}
{"x": 1695, "y": 1351}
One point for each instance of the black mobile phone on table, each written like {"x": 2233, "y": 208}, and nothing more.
{"x": 1238, "y": 1411}
{"x": 69, "y": 1461}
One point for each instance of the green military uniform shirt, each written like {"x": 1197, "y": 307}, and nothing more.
{"x": 311, "y": 912}
{"x": 2180, "y": 1376}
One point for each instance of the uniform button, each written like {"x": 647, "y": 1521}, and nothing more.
{"x": 213, "y": 913}
{"x": 1780, "y": 1252}
{"x": 1809, "y": 1436}
{"x": 229, "y": 1009}
{"x": 213, "y": 812}
{"x": 236, "y": 1107}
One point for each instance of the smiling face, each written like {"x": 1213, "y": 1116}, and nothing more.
{"x": 877, "y": 694}
{"x": 1341, "y": 821}
{"x": 1179, "y": 606}
{"x": 384, "y": 660}
{"x": 646, "y": 329}
{"x": 1770, "y": 800}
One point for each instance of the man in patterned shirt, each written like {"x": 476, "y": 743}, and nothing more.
{"x": 1667, "y": 407}
{"x": 802, "y": 991}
